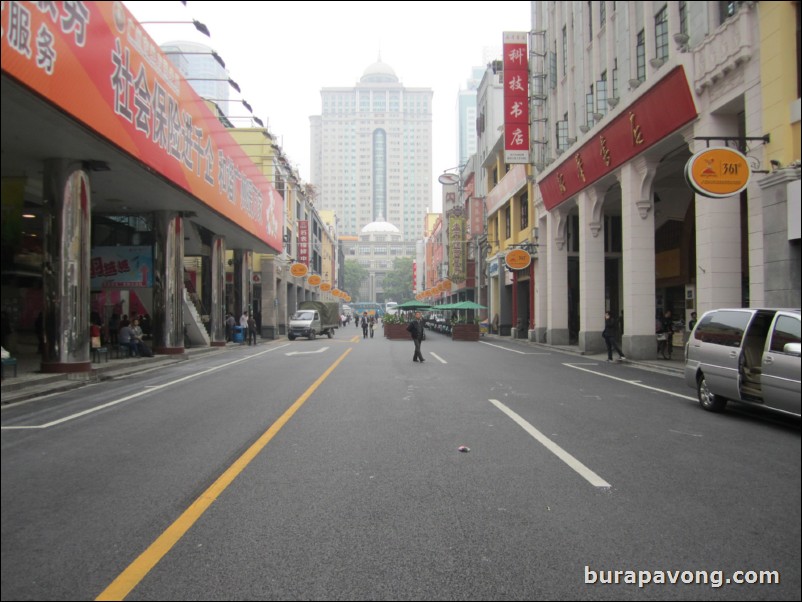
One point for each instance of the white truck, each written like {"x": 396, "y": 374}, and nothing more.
{"x": 314, "y": 318}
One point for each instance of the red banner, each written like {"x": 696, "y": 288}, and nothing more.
{"x": 662, "y": 110}
{"x": 303, "y": 241}
{"x": 94, "y": 61}
{"x": 516, "y": 98}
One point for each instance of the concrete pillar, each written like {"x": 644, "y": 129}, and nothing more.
{"x": 66, "y": 268}
{"x": 283, "y": 301}
{"x": 541, "y": 282}
{"x": 292, "y": 296}
{"x": 718, "y": 234}
{"x": 269, "y": 297}
{"x": 637, "y": 229}
{"x": 218, "y": 285}
{"x": 718, "y": 253}
{"x": 557, "y": 275}
{"x": 591, "y": 271}
{"x": 168, "y": 283}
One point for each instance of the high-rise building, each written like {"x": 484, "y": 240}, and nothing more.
{"x": 466, "y": 114}
{"x": 372, "y": 153}
{"x": 197, "y": 63}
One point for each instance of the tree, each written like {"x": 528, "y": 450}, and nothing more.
{"x": 355, "y": 275}
{"x": 397, "y": 283}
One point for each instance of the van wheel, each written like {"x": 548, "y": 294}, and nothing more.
{"x": 330, "y": 333}
{"x": 291, "y": 337}
{"x": 311, "y": 335}
{"x": 708, "y": 400}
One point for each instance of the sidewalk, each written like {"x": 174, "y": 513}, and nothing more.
{"x": 30, "y": 382}
{"x": 675, "y": 365}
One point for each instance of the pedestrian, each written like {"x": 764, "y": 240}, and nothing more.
{"x": 114, "y": 328}
{"x": 371, "y": 325}
{"x": 230, "y": 323}
{"x": 665, "y": 328}
{"x": 251, "y": 329}
{"x": 692, "y": 321}
{"x": 243, "y": 324}
{"x": 610, "y": 334}
{"x": 364, "y": 324}
{"x": 415, "y": 328}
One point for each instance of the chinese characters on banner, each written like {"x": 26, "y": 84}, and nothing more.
{"x": 122, "y": 267}
{"x": 516, "y": 98}
{"x": 664, "y": 109}
{"x": 303, "y": 241}
{"x": 456, "y": 245}
{"x": 96, "y": 63}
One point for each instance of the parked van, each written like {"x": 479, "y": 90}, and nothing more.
{"x": 747, "y": 355}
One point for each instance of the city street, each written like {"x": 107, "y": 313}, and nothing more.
{"x": 338, "y": 469}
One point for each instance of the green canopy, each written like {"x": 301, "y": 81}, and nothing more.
{"x": 467, "y": 305}
{"x": 414, "y": 304}
{"x": 460, "y": 305}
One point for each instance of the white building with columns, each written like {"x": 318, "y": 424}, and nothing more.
{"x": 623, "y": 94}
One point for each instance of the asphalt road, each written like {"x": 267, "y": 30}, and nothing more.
{"x": 332, "y": 470}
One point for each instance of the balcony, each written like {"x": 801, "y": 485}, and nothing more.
{"x": 726, "y": 49}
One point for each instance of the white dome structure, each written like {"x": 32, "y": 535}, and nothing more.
{"x": 380, "y": 227}
{"x": 379, "y": 72}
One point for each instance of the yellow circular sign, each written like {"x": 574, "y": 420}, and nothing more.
{"x": 517, "y": 259}
{"x": 298, "y": 270}
{"x": 314, "y": 279}
{"x": 325, "y": 287}
{"x": 718, "y": 172}
{"x": 347, "y": 298}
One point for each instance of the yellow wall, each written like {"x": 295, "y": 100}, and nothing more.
{"x": 779, "y": 64}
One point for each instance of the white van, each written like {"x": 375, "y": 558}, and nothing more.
{"x": 747, "y": 355}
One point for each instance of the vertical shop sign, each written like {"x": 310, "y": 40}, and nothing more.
{"x": 516, "y": 97}
{"x": 303, "y": 241}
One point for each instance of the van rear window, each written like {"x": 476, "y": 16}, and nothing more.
{"x": 723, "y": 328}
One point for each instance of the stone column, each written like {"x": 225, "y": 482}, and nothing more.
{"x": 168, "y": 283}
{"x": 637, "y": 230}
{"x": 541, "y": 283}
{"x": 218, "y": 285}
{"x": 557, "y": 274}
{"x": 718, "y": 234}
{"x": 66, "y": 268}
{"x": 269, "y": 297}
{"x": 591, "y": 271}
{"x": 283, "y": 301}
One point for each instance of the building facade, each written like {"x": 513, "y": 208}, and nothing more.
{"x": 372, "y": 152}
{"x": 624, "y": 93}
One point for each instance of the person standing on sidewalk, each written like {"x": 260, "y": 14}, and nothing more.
{"x": 243, "y": 324}
{"x": 415, "y": 328}
{"x": 251, "y": 329}
{"x": 610, "y": 334}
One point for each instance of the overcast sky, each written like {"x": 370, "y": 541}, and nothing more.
{"x": 282, "y": 53}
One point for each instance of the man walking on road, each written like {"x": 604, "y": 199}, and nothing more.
{"x": 415, "y": 328}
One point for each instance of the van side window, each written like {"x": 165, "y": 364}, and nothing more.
{"x": 786, "y": 330}
{"x": 723, "y": 328}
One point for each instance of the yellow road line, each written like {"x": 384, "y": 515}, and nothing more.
{"x": 139, "y": 568}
